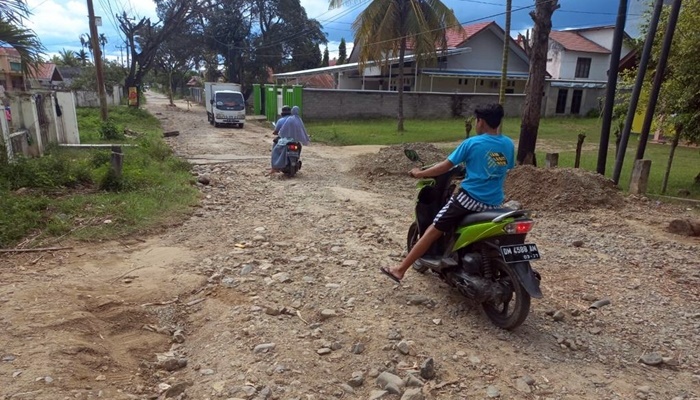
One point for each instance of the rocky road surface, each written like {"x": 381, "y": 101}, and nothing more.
{"x": 270, "y": 290}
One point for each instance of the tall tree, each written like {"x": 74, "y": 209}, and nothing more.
{"x": 86, "y": 42}
{"x": 67, "y": 58}
{"x": 506, "y": 51}
{"x": 386, "y": 27}
{"x": 82, "y": 57}
{"x": 325, "y": 61}
{"x": 175, "y": 56}
{"x": 342, "y": 52}
{"x": 102, "y": 39}
{"x": 145, "y": 37}
{"x": 13, "y": 34}
{"x": 530, "y": 122}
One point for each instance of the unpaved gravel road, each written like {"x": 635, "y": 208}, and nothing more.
{"x": 270, "y": 291}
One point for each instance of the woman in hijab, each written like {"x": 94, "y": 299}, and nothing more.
{"x": 293, "y": 128}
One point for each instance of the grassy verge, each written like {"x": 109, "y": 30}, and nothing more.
{"x": 555, "y": 135}
{"x": 65, "y": 192}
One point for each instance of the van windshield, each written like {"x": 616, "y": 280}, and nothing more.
{"x": 230, "y": 101}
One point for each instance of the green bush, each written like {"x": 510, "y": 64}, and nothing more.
{"x": 100, "y": 158}
{"x": 110, "y": 131}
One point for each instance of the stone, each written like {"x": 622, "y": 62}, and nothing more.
{"x": 282, "y": 277}
{"x": 172, "y": 364}
{"x": 207, "y": 371}
{"x": 357, "y": 379}
{"x": 589, "y": 297}
{"x": 577, "y": 243}
{"x": 179, "y": 336}
{"x": 327, "y": 313}
{"x": 350, "y": 263}
{"x": 357, "y": 348}
{"x": 427, "y": 369}
{"x": 394, "y": 335}
{"x": 522, "y": 386}
{"x": 203, "y": 179}
{"x": 176, "y": 389}
{"x": 219, "y": 386}
{"x": 101, "y": 378}
{"x": 229, "y": 282}
{"x": 16, "y": 373}
{"x": 8, "y": 358}
{"x": 528, "y": 379}
{"x": 323, "y": 351}
{"x": 48, "y": 379}
{"x": 377, "y": 394}
{"x": 347, "y": 388}
{"x": 336, "y": 346}
{"x": 413, "y": 394}
{"x": 264, "y": 348}
{"x": 652, "y": 359}
{"x": 373, "y": 373}
{"x": 417, "y": 299}
{"x": 390, "y": 382}
{"x": 558, "y": 316}
{"x": 403, "y": 347}
{"x": 246, "y": 269}
{"x": 474, "y": 360}
{"x": 412, "y": 381}
{"x": 493, "y": 392}
{"x": 437, "y": 321}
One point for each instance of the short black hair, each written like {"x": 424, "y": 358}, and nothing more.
{"x": 491, "y": 113}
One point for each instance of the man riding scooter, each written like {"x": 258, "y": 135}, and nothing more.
{"x": 291, "y": 135}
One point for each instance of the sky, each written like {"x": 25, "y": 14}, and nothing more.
{"x": 59, "y": 23}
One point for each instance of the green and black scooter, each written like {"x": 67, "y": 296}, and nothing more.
{"x": 486, "y": 258}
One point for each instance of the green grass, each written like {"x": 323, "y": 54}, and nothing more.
{"x": 60, "y": 193}
{"x": 135, "y": 119}
{"x": 555, "y": 135}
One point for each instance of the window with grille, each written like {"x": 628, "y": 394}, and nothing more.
{"x": 583, "y": 67}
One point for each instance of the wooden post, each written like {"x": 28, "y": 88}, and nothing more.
{"x": 640, "y": 176}
{"x": 579, "y": 147}
{"x": 551, "y": 160}
{"x": 117, "y": 160}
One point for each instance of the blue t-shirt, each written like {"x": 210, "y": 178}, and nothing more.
{"x": 488, "y": 159}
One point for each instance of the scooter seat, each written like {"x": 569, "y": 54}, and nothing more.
{"x": 486, "y": 216}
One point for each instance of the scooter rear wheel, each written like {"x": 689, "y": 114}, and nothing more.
{"x": 411, "y": 240}
{"x": 506, "y": 315}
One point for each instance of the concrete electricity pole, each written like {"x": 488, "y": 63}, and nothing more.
{"x": 98, "y": 61}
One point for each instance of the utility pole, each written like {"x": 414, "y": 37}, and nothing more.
{"x": 612, "y": 85}
{"x": 98, "y": 61}
{"x": 636, "y": 92}
{"x": 658, "y": 77}
{"x": 121, "y": 54}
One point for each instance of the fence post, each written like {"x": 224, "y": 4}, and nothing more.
{"x": 6, "y": 135}
{"x": 640, "y": 176}
{"x": 117, "y": 161}
{"x": 551, "y": 160}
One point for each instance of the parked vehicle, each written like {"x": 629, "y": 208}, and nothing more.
{"x": 225, "y": 104}
{"x": 487, "y": 258}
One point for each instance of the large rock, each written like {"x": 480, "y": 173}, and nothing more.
{"x": 413, "y": 394}
{"x": 684, "y": 227}
{"x": 390, "y": 382}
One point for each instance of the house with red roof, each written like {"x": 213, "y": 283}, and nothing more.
{"x": 471, "y": 63}
{"x": 578, "y": 61}
{"x": 47, "y": 76}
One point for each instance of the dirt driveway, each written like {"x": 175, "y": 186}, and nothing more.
{"x": 270, "y": 291}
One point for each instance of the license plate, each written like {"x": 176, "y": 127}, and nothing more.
{"x": 520, "y": 252}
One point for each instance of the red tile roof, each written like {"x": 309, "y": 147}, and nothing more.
{"x": 10, "y": 51}
{"x": 572, "y": 41}
{"x": 455, "y": 38}
{"x": 47, "y": 71}
{"x": 319, "y": 81}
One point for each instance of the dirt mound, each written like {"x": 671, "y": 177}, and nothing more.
{"x": 561, "y": 189}
{"x": 392, "y": 161}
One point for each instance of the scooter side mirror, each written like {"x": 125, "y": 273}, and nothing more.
{"x": 412, "y": 155}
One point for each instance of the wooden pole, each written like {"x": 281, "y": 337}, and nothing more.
{"x": 117, "y": 160}
{"x": 97, "y": 52}
{"x": 579, "y": 147}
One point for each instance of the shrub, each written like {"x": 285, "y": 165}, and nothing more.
{"x": 110, "y": 131}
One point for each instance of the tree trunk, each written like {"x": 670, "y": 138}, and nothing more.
{"x": 579, "y": 147}
{"x": 674, "y": 144}
{"x": 506, "y": 48}
{"x": 402, "y": 53}
{"x": 530, "y": 123}
{"x": 170, "y": 88}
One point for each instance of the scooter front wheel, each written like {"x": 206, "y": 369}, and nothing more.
{"x": 512, "y": 309}
{"x": 411, "y": 240}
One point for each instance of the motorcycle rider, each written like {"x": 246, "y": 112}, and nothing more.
{"x": 289, "y": 126}
{"x": 487, "y": 156}
{"x": 286, "y": 112}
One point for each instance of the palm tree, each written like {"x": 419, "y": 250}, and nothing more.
{"x": 386, "y": 27}
{"x": 68, "y": 58}
{"x": 86, "y": 42}
{"x": 82, "y": 56}
{"x": 23, "y": 40}
{"x": 506, "y": 50}
{"x": 103, "y": 41}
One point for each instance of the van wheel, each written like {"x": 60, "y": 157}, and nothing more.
{"x": 240, "y": 126}
{"x": 216, "y": 124}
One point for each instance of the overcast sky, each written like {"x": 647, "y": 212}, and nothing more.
{"x": 59, "y": 23}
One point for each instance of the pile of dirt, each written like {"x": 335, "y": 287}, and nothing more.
{"x": 392, "y": 161}
{"x": 561, "y": 189}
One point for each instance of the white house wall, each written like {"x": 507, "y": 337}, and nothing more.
{"x": 599, "y": 65}
{"x": 486, "y": 53}
{"x": 467, "y": 85}
{"x": 604, "y": 37}
{"x": 555, "y": 55}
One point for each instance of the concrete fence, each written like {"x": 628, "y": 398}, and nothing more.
{"x": 84, "y": 98}
{"x": 34, "y": 120}
{"x": 349, "y": 104}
